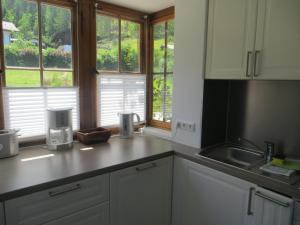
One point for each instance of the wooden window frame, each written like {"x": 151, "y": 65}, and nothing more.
{"x": 68, "y": 4}
{"x": 160, "y": 17}
{"x": 122, "y": 13}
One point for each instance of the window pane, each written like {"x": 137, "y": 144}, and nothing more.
{"x": 130, "y": 46}
{"x": 162, "y": 98}
{"x": 57, "y": 38}
{"x": 158, "y": 97}
{"x": 20, "y": 33}
{"x": 159, "y": 48}
{"x": 22, "y": 78}
{"x": 170, "y": 47}
{"x": 120, "y": 93}
{"x": 168, "y": 99}
{"x": 107, "y": 43}
{"x": 58, "y": 79}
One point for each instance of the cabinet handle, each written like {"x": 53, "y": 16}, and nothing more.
{"x": 249, "y": 53}
{"x": 284, "y": 204}
{"x": 56, "y": 193}
{"x": 249, "y": 212}
{"x": 256, "y": 74}
{"x": 147, "y": 167}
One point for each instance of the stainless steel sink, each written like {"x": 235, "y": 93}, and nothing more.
{"x": 233, "y": 155}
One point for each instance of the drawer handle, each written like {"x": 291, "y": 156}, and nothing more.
{"x": 256, "y": 55}
{"x": 249, "y": 212}
{"x": 147, "y": 167}
{"x": 284, "y": 204}
{"x": 56, "y": 193}
{"x": 249, "y": 53}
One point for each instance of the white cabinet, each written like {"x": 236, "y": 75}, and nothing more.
{"x": 141, "y": 195}
{"x": 205, "y": 196}
{"x": 2, "y": 218}
{"x": 253, "y": 39}
{"x": 296, "y": 219}
{"x": 271, "y": 208}
{"x": 278, "y": 40}
{"x": 45, "y": 206}
{"x": 96, "y": 215}
{"x": 230, "y": 39}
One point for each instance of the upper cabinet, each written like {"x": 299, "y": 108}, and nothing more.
{"x": 230, "y": 38}
{"x": 1, "y": 214}
{"x": 253, "y": 39}
{"x": 278, "y": 40}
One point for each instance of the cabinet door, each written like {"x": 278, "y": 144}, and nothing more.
{"x": 272, "y": 209}
{"x": 97, "y": 215}
{"x": 230, "y": 39}
{"x": 1, "y": 214}
{"x": 141, "y": 195}
{"x": 277, "y": 41}
{"x": 44, "y": 206}
{"x": 205, "y": 196}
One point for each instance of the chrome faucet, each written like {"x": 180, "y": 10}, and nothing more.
{"x": 270, "y": 151}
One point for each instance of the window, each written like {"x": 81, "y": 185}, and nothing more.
{"x": 118, "y": 45}
{"x": 39, "y": 63}
{"x": 37, "y": 40}
{"x": 119, "y": 88}
{"x": 162, "y": 73}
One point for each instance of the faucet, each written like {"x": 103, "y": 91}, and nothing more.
{"x": 270, "y": 151}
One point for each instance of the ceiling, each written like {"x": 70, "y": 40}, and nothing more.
{"x": 147, "y": 6}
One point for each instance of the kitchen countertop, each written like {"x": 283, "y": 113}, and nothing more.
{"x": 19, "y": 177}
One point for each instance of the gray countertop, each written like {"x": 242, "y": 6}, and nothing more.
{"x": 19, "y": 177}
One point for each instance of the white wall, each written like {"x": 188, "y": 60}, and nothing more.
{"x": 190, "y": 29}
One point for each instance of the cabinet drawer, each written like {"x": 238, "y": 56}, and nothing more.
{"x": 96, "y": 215}
{"x": 48, "y": 205}
{"x": 1, "y": 214}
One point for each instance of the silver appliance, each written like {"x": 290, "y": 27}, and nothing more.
{"x": 127, "y": 124}
{"x": 9, "y": 145}
{"x": 59, "y": 129}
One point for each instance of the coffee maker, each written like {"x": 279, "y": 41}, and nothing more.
{"x": 59, "y": 129}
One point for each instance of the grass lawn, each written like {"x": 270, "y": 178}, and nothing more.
{"x": 26, "y": 78}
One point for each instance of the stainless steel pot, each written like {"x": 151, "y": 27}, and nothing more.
{"x": 9, "y": 145}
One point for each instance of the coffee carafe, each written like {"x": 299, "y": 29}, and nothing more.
{"x": 127, "y": 124}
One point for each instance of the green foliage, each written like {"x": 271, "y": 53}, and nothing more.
{"x": 22, "y": 53}
{"x": 55, "y": 58}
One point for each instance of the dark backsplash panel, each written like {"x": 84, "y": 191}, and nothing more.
{"x": 214, "y": 118}
{"x": 257, "y": 110}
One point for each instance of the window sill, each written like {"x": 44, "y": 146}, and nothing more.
{"x": 165, "y": 134}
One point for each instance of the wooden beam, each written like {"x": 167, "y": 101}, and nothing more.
{"x": 163, "y": 15}
{"x": 87, "y": 64}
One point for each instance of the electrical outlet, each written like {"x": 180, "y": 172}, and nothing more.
{"x": 186, "y": 126}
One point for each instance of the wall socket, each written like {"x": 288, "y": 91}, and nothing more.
{"x": 188, "y": 126}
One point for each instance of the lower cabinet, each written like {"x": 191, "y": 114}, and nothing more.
{"x": 141, "y": 195}
{"x": 67, "y": 202}
{"x": 2, "y": 218}
{"x": 209, "y": 197}
{"x": 97, "y": 215}
{"x": 296, "y": 213}
{"x": 271, "y": 208}
{"x": 205, "y": 196}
